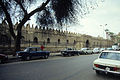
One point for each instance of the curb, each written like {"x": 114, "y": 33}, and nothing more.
{"x": 11, "y": 57}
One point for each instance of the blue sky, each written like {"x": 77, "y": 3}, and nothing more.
{"x": 107, "y": 12}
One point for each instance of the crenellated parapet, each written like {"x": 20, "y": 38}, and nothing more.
{"x": 47, "y": 29}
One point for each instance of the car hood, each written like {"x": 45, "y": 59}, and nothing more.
{"x": 3, "y": 55}
{"x": 107, "y": 62}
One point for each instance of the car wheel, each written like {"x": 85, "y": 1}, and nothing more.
{"x": 46, "y": 56}
{"x": 97, "y": 72}
{"x": 63, "y": 55}
{"x": 28, "y": 58}
{"x": 69, "y": 54}
{"x": 0, "y": 61}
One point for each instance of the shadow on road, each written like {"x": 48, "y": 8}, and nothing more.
{"x": 109, "y": 76}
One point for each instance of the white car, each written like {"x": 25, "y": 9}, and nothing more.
{"x": 86, "y": 51}
{"x": 107, "y": 62}
{"x": 102, "y": 49}
{"x": 96, "y": 50}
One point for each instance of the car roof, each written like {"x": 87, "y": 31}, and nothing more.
{"x": 112, "y": 51}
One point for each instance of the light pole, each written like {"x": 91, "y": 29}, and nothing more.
{"x": 103, "y": 29}
{"x": 67, "y": 41}
{"x": 66, "y": 37}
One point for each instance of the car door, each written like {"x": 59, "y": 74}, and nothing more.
{"x": 33, "y": 52}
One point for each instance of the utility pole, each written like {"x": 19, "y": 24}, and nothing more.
{"x": 103, "y": 29}
{"x": 66, "y": 37}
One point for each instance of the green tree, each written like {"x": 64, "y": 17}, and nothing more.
{"x": 64, "y": 11}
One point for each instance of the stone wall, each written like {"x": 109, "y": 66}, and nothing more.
{"x": 56, "y": 40}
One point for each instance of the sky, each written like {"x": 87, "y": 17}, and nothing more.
{"x": 108, "y": 12}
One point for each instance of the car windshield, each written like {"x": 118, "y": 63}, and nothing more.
{"x": 69, "y": 49}
{"x": 83, "y": 48}
{"x": 109, "y": 49}
{"x": 110, "y": 55}
{"x": 96, "y": 49}
{"x": 26, "y": 50}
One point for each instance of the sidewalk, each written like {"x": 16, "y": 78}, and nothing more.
{"x": 55, "y": 54}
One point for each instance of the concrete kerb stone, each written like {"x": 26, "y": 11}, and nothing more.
{"x": 55, "y": 54}
{"x": 51, "y": 54}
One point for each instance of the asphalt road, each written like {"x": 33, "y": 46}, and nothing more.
{"x": 57, "y": 68}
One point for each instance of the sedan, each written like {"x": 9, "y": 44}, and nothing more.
{"x": 107, "y": 62}
{"x": 3, "y": 58}
{"x": 96, "y": 50}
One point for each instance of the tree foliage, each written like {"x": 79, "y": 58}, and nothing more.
{"x": 45, "y": 18}
{"x": 64, "y": 10}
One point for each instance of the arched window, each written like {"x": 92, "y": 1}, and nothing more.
{"x": 67, "y": 41}
{"x": 94, "y": 44}
{"x": 48, "y": 40}
{"x": 22, "y": 39}
{"x": 58, "y": 41}
{"x": 35, "y": 40}
{"x": 74, "y": 42}
{"x": 87, "y": 43}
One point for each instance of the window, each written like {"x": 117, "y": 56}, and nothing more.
{"x": 110, "y": 55}
{"x": 32, "y": 49}
{"x": 74, "y": 42}
{"x": 35, "y": 40}
{"x": 48, "y": 40}
{"x": 58, "y": 41}
{"x": 67, "y": 41}
{"x": 22, "y": 39}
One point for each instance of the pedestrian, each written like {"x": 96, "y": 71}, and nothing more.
{"x": 42, "y": 47}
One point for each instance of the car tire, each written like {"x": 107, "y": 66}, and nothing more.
{"x": 63, "y": 55}
{"x": 45, "y": 56}
{"x": 0, "y": 61}
{"x": 28, "y": 58}
{"x": 97, "y": 72}
{"x": 69, "y": 54}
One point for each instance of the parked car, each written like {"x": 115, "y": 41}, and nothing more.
{"x": 3, "y": 58}
{"x": 107, "y": 62}
{"x": 115, "y": 47}
{"x": 69, "y": 52}
{"x": 31, "y": 52}
{"x": 86, "y": 51}
{"x": 102, "y": 49}
{"x": 96, "y": 50}
{"x": 109, "y": 48}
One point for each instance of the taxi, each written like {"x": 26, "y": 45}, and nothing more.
{"x": 107, "y": 62}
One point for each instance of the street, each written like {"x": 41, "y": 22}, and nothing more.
{"x": 59, "y": 68}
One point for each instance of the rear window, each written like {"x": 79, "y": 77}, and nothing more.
{"x": 110, "y": 55}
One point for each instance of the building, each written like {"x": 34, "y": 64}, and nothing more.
{"x": 56, "y": 40}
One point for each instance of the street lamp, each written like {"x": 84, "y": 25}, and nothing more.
{"x": 67, "y": 41}
{"x": 103, "y": 29}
